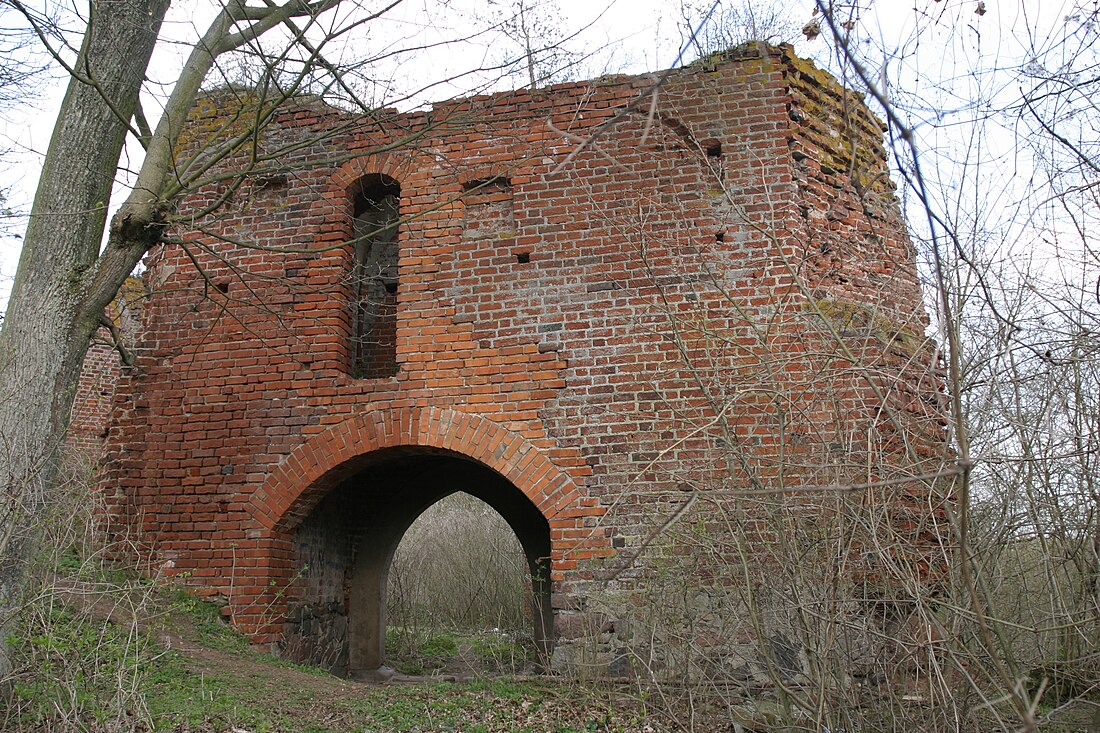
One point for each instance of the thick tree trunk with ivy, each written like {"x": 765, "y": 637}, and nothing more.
{"x": 62, "y": 283}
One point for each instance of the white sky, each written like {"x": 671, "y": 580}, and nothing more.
{"x": 629, "y": 36}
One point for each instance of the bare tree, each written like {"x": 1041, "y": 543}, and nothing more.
{"x": 68, "y": 271}
{"x": 19, "y": 69}
{"x": 994, "y": 142}
{"x": 992, "y": 119}
{"x": 729, "y": 24}
{"x": 536, "y": 30}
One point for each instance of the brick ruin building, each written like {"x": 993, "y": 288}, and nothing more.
{"x": 593, "y": 306}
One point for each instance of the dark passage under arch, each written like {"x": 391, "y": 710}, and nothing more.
{"x": 344, "y": 547}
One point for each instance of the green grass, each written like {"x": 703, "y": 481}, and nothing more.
{"x": 80, "y": 672}
{"x": 268, "y": 704}
{"x": 226, "y": 700}
{"x": 205, "y": 618}
{"x": 76, "y": 669}
{"x": 432, "y": 651}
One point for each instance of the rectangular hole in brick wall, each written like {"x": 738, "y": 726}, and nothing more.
{"x": 489, "y": 208}
{"x": 375, "y": 277}
{"x": 271, "y": 181}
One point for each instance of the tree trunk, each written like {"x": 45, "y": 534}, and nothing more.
{"x": 54, "y": 310}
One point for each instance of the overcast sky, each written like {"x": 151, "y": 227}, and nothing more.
{"x": 630, "y": 36}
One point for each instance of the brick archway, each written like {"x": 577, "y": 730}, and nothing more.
{"x": 499, "y": 461}
{"x": 313, "y": 468}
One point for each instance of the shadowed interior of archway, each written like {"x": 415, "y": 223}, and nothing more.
{"x": 344, "y": 547}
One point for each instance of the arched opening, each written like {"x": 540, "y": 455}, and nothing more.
{"x": 374, "y": 277}
{"x": 345, "y": 546}
{"x": 459, "y": 594}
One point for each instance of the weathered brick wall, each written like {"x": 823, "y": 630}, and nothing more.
{"x": 99, "y": 377}
{"x": 714, "y": 299}
{"x": 92, "y": 405}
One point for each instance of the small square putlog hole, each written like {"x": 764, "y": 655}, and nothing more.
{"x": 523, "y": 257}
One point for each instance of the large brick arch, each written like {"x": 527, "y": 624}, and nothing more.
{"x": 294, "y": 487}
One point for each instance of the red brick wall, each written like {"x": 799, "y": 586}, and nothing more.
{"x": 99, "y": 377}
{"x": 92, "y": 406}
{"x": 605, "y": 324}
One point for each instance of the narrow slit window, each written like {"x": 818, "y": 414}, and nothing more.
{"x": 374, "y": 278}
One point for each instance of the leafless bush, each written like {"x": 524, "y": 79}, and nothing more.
{"x": 79, "y": 658}
{"x": 824, "y": 621}
{"x": 790, "y": 635}
{"x": 729, "y": 24}
{"x": 459, "y": 566}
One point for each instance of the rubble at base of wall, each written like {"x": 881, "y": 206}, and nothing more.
{"x": 710, "y": 637}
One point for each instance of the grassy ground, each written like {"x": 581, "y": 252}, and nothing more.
{"x": 261, "y": 701}
{"x": 460, "y": 652}
{"x": 122, "y": 656}
{"x": 156, "y": 660}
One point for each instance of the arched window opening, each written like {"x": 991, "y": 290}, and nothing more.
{"x": 374, "y": 278}
{"x": 459, "y": 596}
